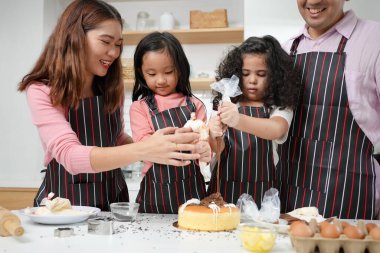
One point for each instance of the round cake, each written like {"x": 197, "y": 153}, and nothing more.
{"x": 210, "y": 214}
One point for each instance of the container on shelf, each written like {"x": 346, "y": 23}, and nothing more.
{"x": 142, "y": 21}
{"x": 167, "y": 21}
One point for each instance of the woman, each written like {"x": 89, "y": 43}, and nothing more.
{"x": 75, "y": 93}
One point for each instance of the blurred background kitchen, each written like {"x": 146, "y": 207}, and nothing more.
{"x": 26, "y": 24}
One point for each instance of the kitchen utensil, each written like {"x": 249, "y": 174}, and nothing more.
{"x": 10, "y": 224}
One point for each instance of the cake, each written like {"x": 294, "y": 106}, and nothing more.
{"x": 210, "y": 214}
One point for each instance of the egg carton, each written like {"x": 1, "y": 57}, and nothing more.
{"x": 327, "y": 245}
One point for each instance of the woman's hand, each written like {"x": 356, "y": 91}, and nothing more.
{"x": 164, "y": 146}
{"x": 229, "y": 114}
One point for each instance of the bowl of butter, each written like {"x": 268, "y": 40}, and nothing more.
{"x": 256, "y": 238}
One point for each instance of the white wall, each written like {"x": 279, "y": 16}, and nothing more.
{"x": 21, "y": 39}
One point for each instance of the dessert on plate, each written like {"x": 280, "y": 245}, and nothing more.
{"x": 307, "y": 214}
{"x": 56, "y": 206}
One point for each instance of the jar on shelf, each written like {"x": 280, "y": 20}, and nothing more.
{"x": 166, "y": 21}
{"x": 142, "y": 20}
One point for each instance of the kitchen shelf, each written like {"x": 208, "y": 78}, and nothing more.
{"x": 196, "y": 83}
{"x": 193, "y": 36}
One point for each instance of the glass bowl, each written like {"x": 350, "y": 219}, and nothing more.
{"x": 124, "y": 211}
{"x": 256, "y": 238}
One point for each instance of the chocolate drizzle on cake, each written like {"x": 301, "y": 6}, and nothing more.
{"x": 215, "y": 198}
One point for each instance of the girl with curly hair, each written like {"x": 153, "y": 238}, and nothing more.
{"x": 255, "y": 122}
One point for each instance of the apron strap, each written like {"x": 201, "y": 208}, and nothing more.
{"x": 296, "y": 42}
{"x": 152, "y": 104}
{"x": 190, "y": 104}
{"x": 342, "y": 45}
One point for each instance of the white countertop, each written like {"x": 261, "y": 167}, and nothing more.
{"x": 149, "y": 233}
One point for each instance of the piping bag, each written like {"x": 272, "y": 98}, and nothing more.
{"x": 228, "y": 87}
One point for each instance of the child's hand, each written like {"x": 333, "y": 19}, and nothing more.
{"x": 229, "y": 114}
{"x": 216, "y": 127}
{"x": 204, "y": 150}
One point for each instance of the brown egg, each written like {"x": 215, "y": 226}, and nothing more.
{"x": 370, "y": 226}
{"x": 329, "y": 230}
{"x": 323, "y": 224}
{"x": 353, "y": 232}
{"x": 300, "y": 229}
{"x": 345, "y": 224}
{"x": 375, "y": 233}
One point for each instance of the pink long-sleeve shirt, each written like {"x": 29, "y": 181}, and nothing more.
{"x": 362, "y": 71}
{"x": 141, "y": 122}
{"x": 58, "y": 139}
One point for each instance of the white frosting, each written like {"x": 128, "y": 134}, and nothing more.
{"x": 58, "y": 204}
{"x": 230, "y": 205}
{"x": 194, "y": 124}
{"x": 215, "y": 209}
{"x": 198, "y": 126}
{"x": 49, "y": 197}
{"x": 190, "y": 201}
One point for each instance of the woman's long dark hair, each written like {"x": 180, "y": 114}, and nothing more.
{"x": 61, "y": 65}
{"x": 159, "y": 42}
{"x": 283, "y": 81}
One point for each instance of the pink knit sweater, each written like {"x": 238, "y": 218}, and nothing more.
{"x": 58, "y": 139}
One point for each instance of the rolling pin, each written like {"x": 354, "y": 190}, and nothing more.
{"x": 9, "y": 223}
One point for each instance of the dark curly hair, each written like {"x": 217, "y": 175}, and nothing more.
{"x": 283, "y": 81}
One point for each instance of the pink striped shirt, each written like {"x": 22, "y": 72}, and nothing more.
{"x": 141, "y": 122}
{"x": 362, "y": 70}
{"x": 58, "y": 139}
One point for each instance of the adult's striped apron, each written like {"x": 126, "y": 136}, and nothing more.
{"x": 246, "y": 163}
{"x": 164, "y": 187}
{"x": 93, "y": 127}
{"x": 327, "y": 161}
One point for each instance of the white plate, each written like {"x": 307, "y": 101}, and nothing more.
{"x": 58, "y": 219}
{"x": 282, "y": 226}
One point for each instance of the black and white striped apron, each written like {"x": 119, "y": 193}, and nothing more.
{"x": 246, "y": 163}
{"x": 93, "y": 127}
{"x": 164, "y": 187}
{"x": 327, "y": 161}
